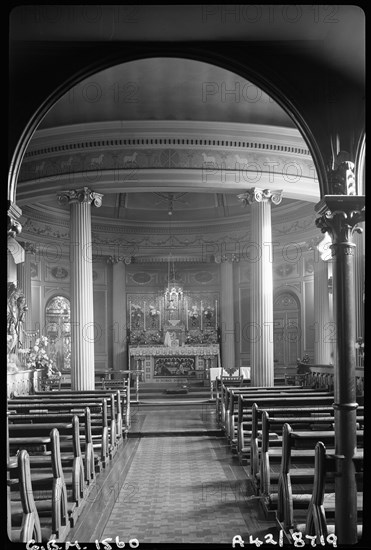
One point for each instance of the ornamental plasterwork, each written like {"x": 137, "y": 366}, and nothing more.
{"x": 43, "y": 229}
{"x": 295, "y": 226}
{"x": 176, "y": 241}
{"x": 122, "y": 162}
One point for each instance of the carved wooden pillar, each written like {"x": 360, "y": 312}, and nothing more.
{"x": 82, "y": 314}
{"x": 262, "y": 351}
{"x": 339, "y": 215}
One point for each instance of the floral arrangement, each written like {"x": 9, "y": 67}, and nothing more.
{"x": 209, "y": 312}
{"x": 153, "y": 311}
{"x": 194, "y": 337}
{"x": 193, "y": 313}
{"x": 38, "y": 358}
{"x": 136, "y": 312}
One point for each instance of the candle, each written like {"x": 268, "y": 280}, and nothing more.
{"x": 159, "y": 313}
{"x": 186, "y": 312}
{"x": 144, "y": 316}
{"x": 216, "y": 313}
{"x": 201, "y": 314}
{"x": 130, "y": 315}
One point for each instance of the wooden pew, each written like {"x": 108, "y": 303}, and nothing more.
{"x": 30, "y": 523}
{"x": 122, "y": 403}
{"x": 230, "y": 381}
{"x": 54, "y": 510}
{"x": 306, "y": 416}
{"x": 241, "y": 405}
{"x": 231, "y": 398}
{"x": 273, "y": 453}
{"x": 245, "y": 404}
{"x": 225, "y": 395}
{"x": 71, "y": 457}
{"x": 77, "y": 405}
{"x": 115, "y": 420}
{"x": 293, "y": 443}
{"x": 320, "y": 511}
{"x": 250, "y": 440}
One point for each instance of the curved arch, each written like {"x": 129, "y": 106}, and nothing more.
{"x": 205, "y": 55}
{"x": 286, "y": 290}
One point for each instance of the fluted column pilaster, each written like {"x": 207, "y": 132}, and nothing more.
{"x": 227, "y": 316}
{"x": 119, "y": 316}
{"x": 324, "y": 328}
{"x": 261, "y": 335}
{"x": 82, "y": 313}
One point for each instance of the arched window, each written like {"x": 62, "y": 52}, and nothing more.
{"x": 57, "y": 315}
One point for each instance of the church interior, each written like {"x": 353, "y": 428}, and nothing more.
{"x": 186, "y": 275}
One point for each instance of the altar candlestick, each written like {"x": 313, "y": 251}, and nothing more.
{"x": 130, "y": 315}
{"x": 144, "y": 316}
{"x": 186, "y": 312}
{"x": 216, "y": 313}
{"x": 201, "y": 314}
{"x": 159, "y": 312}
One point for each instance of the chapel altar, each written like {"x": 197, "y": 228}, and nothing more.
{"x": 173, "y": 337}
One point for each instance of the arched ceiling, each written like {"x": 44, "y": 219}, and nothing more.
{"x": 161, "y": 121}
{"x": 166, "y": 89}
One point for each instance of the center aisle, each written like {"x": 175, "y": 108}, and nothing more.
{"x": 183, "y": 485}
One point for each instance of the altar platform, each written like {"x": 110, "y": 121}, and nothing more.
{"x": 170, "y": 365}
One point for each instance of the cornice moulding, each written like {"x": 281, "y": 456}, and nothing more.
{"x": 163, "y": 129}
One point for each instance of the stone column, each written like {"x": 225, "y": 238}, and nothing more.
{"x": 324, "y": 326}
{"x": 119, "y": 316}
{"x": 340, "y": 216}
{"x": 227, "y": 316}
{"x": 82, "y": 314}
{"x": 261, "y": 258}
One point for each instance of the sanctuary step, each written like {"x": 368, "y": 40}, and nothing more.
{"x": 172, "y": 390}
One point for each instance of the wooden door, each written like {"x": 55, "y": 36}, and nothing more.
{"x": 287, "y": 333}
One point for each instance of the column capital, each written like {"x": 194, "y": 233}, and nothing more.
{"x": 29, "y": 247}
{"x": 83, "y": 195}
{"x": 116, "y": 259}
{"x": 256, "y": 194}
{"x": 339, "y": 215}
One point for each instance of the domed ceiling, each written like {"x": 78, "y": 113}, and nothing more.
{"x": 166, "y": 135}
{"x": 166, "y": 89}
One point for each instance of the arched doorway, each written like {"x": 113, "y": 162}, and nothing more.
{"x": 57, "y": 316}
{"x": 287, "y": 331}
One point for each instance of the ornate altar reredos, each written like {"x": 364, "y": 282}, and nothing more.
{"x": 173, "y": 336}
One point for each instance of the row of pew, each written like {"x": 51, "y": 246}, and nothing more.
{"x": 57, "y": 444}
{"x": 284, "y": 437}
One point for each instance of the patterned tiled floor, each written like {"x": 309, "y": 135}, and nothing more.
{"x": 184, "y": 490}
{"x": 174, "y": 420}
